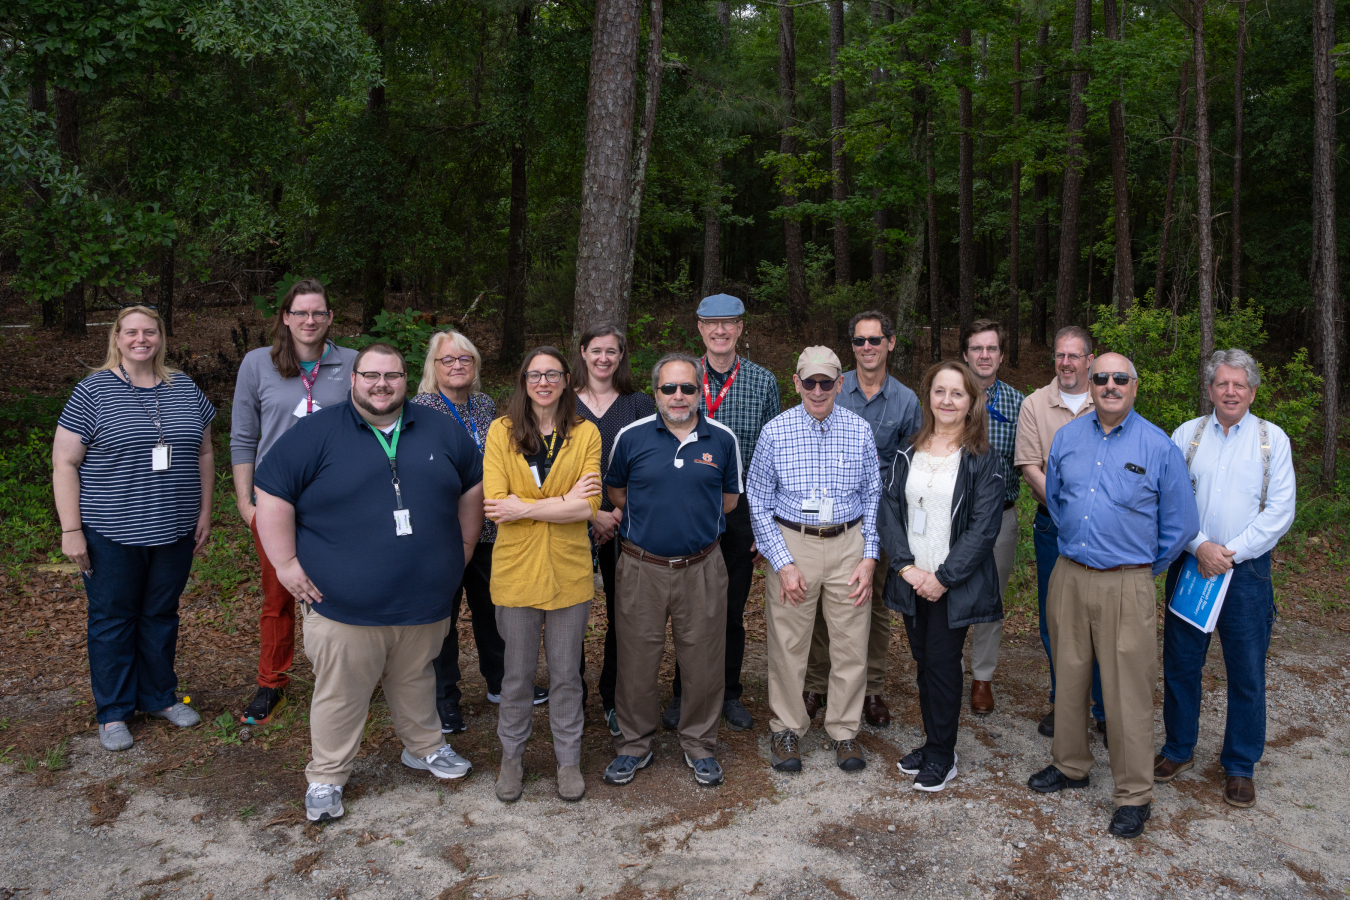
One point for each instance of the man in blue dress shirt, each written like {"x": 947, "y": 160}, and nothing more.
{"x": 1117, "y": 490}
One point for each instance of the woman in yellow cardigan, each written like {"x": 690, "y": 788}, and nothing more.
{"x": 541, "y": 481}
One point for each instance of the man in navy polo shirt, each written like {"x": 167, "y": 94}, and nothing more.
{"x": 675, "y": 475}
{"x": 369, "y": 510}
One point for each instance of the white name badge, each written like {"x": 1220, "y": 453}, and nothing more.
{"x": 161, "y": 458}
{"x": 826, "y": 516}
{"x": 811, "y": 506}
{"x": 302, "y": 408}
{"x": 920, "y": 521}
{"x": 402, "y": 522}
{"x": 534, "y": 470}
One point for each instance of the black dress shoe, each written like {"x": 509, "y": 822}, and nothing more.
{"x": 1051, "y": 779}
{"x": 1047, "y": 726}
{"x": 1128, "y": 822}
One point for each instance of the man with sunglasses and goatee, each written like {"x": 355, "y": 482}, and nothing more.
{"x": 892, "y": 410}
{"x": 813, "y": 487}
{"x": 675, "y": 475}
{"x": 1117, "y": 489}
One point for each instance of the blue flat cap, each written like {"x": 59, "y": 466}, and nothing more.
{"x": 721, "y": 306}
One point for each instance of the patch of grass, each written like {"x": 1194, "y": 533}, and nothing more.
{"x": 56, "y": 758}
{"x": 248, "y": 811}
{"x": 225, "y": 729}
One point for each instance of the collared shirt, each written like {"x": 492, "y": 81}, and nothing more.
{"x": 266, "y": 404}
{"x": 893, "y": 412}
{"x": 675, "y": 486}
{"x": 1003, "y": 434}
{"x": 752, "y": 401}
{"x": 480, "y": 410}
{"x": 799, "y": 458}
{"x": 1042, "y": 415}
{"x": 1228, "y": 472}
{"x": 1122, "y": 498}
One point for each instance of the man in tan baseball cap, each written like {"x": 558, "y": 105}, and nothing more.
{"x": 813, "y": 488}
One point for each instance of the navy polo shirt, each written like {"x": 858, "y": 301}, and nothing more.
{"x": 333, "y": 470}
{"x": 675, "y": 488}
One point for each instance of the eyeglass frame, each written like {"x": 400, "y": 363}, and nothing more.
{"x": 1120, "y": 378}
{"x": 370, "y": 379}
{"x": 310, "y": 315}
{"x": 812, "y": 383}
{"x": 876, "y": 340}
{"x": 466, "y": 361}
{"x": 685, "y": 388}
{"x": 536, "y": 377}
{"x": 1070, "y": 357}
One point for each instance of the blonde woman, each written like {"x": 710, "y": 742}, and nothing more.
{"x": 133, "y": 471}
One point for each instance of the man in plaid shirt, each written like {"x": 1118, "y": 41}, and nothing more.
{"x": 743, "y": 397}
{"x": 982, "y": 345}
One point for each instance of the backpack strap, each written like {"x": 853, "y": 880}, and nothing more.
{"x": 1195, "y": 445}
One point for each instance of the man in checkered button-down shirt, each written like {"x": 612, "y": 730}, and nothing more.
{"x": 813, "y": 488}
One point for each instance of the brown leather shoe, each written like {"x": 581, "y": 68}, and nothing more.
{"x": 1164, "y": 770}
{"x": 981, "y": 697}
{"x": 1239, "y": 792}
{"x": 875, "y": 711}
{"x": 814, "y": 701}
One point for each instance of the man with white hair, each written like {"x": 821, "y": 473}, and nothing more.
{"x": 1242, "y": 471}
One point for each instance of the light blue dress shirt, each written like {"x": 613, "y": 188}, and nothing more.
{"x": 893, "y": 412}
{"x": 1228, "y": 473}
{"x": 1119, "y": 499}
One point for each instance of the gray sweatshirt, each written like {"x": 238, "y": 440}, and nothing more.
{"x": 265, "y": 404}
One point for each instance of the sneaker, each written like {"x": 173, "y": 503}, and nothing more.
{"x": 451, "y": 721}
{"x": 179, "y": 714}
{"x": 706, "y": 771}
{"x": 494, "y": 698}
{"x": 444, "y": 763}
{"x": 737, "y": 716}
{"x": 115, "y": 737}
{"x": 849, "y": 756}
{"x": 612, "y": 720}
{"x": 783, "y": 753}
{"x": 323, "y": 802}
{"x": 540, "y": 695}
{"x": 934, "y": 776}
{"x": 912, "y": 762}
{"x": 266, "y": 702}
{"x": 670, "y": 716}
{"x": 622, "y": 770}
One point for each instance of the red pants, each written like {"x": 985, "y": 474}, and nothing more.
{"x": 276, "y": 627}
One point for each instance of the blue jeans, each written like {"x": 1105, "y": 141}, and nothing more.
{"x": 1244, "y": 627}
{"x": 133, "y": 623}
{"x": 1045, "y": 537}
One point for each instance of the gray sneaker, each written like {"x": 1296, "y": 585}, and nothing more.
{"x": 323, "y": 801}
{"x": 115, "y": 737}
{"x": 444, "y": 763}
{"x": 179, "y": 714}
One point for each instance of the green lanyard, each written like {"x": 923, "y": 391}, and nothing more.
{"x": 391, "y": 450}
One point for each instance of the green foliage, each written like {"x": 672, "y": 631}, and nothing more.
{"x": 649, "y": 340}
{"x": 269, "y": 306}
{"x": 28, "y": 528}
{"x": 224, "y": 729}
{"x": 408, "y": 331}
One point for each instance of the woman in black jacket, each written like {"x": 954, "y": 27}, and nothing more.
{"x": 939, "y": 517}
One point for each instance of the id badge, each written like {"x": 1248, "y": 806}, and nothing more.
{"x": 161, "y": 458}
{"x": 826, "y": 516}
{"x": 302, "y": 408}
{"x": 402, "y": 522}
{"x": 919, "y": 521}
{"x": 811, "y": 506}
{"x": 534, "y": 470}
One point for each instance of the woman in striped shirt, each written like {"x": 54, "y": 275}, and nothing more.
{"x": 133, "y": 472}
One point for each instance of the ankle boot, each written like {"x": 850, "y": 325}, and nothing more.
{"x": 511, "y": 780}
{"x": 571, "y": 786}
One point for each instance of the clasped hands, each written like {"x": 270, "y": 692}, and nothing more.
{"x": 1214, "y": 559}
{"x": 925, "y": 584}
{"x": 512, "y": 508}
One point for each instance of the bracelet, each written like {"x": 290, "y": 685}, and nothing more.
{"x": 905, "y": 569}
{"x": 69, "y": 530}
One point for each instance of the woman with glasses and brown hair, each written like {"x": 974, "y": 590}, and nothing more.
{"x": 541, "y": 484}
{"x": 133, "y": 471}
{"x": 301, "y": 373}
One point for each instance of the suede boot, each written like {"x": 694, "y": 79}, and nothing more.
{"x": 511, "y": 780}
{"x": 571, "y": 786}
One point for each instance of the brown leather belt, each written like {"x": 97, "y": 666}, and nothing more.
{"x": 679, "y": 562}
{"x": 825, "y": 531}
{"x": 1112, "y": 569}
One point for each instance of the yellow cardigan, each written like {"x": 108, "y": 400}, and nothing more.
{"x": 540, "y": 564}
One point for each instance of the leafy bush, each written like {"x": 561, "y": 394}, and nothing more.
{"x": 409, "y": 331}
{"x": 28, "y": 528}
{"x": 649, "y": 340}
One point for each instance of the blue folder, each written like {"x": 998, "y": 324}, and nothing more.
{"x": 1197, "y": 599}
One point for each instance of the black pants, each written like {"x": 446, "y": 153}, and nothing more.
{"x": 477, "y": 586}
{"x": 740, "y": 562}
{"x": 606, "y": 553}
{"x": 936, "y": 649}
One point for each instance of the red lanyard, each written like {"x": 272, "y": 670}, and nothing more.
{"x": 309, "y": 382}
{"x": 708, "y": 401}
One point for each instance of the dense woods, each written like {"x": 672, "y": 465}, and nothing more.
{"x": 1046, "y": 162}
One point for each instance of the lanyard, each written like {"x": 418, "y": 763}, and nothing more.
{"x": 552, "y": 439}
{"x": 391, "y": 450}
{"x": 708, "y": 401}
{"x": 994, "y": 413}
{"x": 470, "y": 426}
{"x": 155, "y": 419}
{"x": 309, "y": 382}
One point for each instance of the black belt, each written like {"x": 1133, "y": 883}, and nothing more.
{"x": 680, "y": 562}
{"x": 824, "y": 531}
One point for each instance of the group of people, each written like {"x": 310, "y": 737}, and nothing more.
{"x": 863, "y": 500}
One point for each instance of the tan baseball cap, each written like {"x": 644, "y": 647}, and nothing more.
{"x": 818, "y": 361}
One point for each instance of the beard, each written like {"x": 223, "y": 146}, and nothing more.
{"x": 676, "y": 419}
{"x": 365, "y": 403}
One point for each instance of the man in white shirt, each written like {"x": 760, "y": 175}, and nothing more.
{"x": 1243, "y": 473}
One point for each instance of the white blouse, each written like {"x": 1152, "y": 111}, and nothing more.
{"x": 928, "y": 494}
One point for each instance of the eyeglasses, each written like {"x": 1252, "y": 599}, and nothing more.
{"x": 990, "y": 349}
{"x": 685, "y": 388}
{"x": 870, "y": 339}
{"x": 449, "y": 361}
{"x": 552, "y": 376}
{"x": 716, "y": 324}
{"x": 372, "y": 378}
{"x": 825, "y": 384}
{"x": 313, "y": 316}
{"x": 1069, "y": 357}
{"x": 1120, "y": 378}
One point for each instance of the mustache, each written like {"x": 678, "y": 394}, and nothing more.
{"x": 1115, "y": 395}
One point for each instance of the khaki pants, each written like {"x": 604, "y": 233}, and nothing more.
{"x": 349, "y": 660}
{"x": 878, "y": 640}
{"x": 694, "y": 599}
{"x": 985, "y": 637}
{"x": 826, "y": 564}
{"x": 1112, "y": 617}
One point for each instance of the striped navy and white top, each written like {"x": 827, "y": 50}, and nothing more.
{"x": 121, "y": 496}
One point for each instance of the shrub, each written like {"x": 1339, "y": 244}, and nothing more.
{"x": 409, "y": 331}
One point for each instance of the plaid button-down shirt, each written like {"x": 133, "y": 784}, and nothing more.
{"x": 1003, "y": 434}
{"x": 799, "y": 458}
{"x": 750, "y": 404}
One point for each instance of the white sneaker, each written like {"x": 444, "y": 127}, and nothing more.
{"x": 323, "y": 801}
{"x": 444, "y": 763}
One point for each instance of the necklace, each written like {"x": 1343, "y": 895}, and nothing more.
{"x": 939, "y": 465}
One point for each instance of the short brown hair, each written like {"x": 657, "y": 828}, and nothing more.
{"x": 283, "y": 345}
{"x": 975, "y": 436}
{"x": 979, "y": 325}
{"x": 379, "y": 347}
{"x": 1073, "y": 331}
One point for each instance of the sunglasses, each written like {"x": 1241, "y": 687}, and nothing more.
{"x": 686, "y": 388}
{"x": 872, "y": 339}
{"x": 1120, "y": 378}
{"x": 825, "y": 384}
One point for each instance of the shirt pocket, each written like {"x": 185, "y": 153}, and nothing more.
{"x": 1244, "y": 477}
{"x": 1130, "y": 490}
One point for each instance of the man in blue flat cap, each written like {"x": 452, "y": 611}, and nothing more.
{"x": 743, "y": 397}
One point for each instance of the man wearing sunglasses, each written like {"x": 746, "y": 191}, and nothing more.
{"x": 813, "y": 487}
{"x": 892, "y": 411}
{"x": 1116, "y": 487}
{"x": 675, "y": 475}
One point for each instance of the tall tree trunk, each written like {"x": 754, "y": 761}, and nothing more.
{"x": 1159, "y": 277}
{"x": 934, "y": 281}
{"x": 373, "y": 273}
{"x": 712, "y": 234}
{"x": 513, "y": 312}
{"x": 606, "y": 178}
{"x": 643, "y": 151}
{"x": 838, "y": 162}
{"x": 798, "y": 301}
{"x": 68, "y": 144}
{"x": 1235, "y": 284}
{"x": 1325, "y": 269}
{"x": 38, "y": 194}
{"x": 1124, "y": 297}
{"x": 1041, "y": 273}
{"x": 879, "y": 221}
{"x": 907, "y": 289}
{"x": 1015, "y": 207}
{"x": 166, "y": 275}
{"x": 1204, "y": 216}
{"x": 966, "y": 177}
{"x": 1067, "y": 284}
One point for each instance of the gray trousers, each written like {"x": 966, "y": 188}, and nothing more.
{"x": 985, "y": 637}
{"x": 562, "y": 632}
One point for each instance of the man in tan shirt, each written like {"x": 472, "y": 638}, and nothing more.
{"x": 1043, "y": 413}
